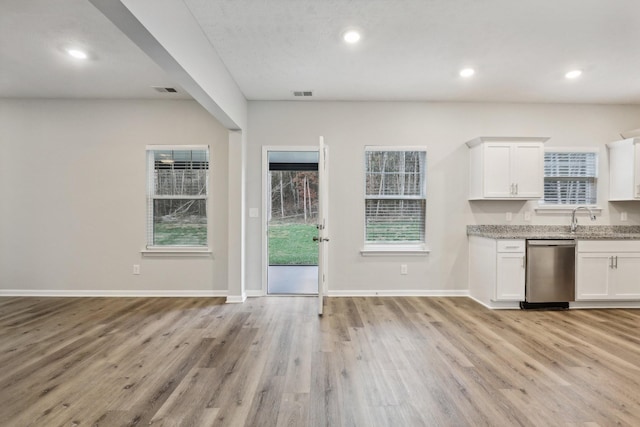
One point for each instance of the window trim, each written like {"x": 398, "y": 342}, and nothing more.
{"x": 541, "y": 207}
{"x": 176, "y": 251}
{"x": 565, "y": 209}
{"x": 400, "y": 248}
{"x": 150, "y": 250}
{"x": 390, "y": 250}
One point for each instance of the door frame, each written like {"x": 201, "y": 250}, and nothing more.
{"x": 265, "y": 216}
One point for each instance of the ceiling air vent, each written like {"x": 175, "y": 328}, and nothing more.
{"x": 302, "y": 93}
{"x": 165, "y": 89}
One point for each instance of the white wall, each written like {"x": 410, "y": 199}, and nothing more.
{"x": 443, "y": 128}
{"x": 60, "y": 229}
{"x": 73, "y": 209}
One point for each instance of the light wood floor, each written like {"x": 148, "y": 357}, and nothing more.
{"x": 273, "y": 362}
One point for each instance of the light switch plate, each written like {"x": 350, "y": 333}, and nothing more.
{"x": 527, "y": 216}
{"x": 623, "y": 216}
{"x": 509, "y": 216}
{"x": 254, "y": 213}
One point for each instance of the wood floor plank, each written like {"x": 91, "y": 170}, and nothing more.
{"x": 388, "y": 361}
{"x": 293, "y": 410}
{"x": 187, "y": 405}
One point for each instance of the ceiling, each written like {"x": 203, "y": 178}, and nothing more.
{"x": 410, "y": 50}
{"x": 34, "y": 36}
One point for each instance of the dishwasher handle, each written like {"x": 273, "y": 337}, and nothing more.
{"x": 562, "y": 242}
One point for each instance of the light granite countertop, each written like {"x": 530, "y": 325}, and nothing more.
{"x": 584, "y": 232}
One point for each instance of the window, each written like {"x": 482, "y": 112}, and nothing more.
{"x": 570, "y": 178}
{"x": 177, "y": 191}
{"x": 395, "y": 196}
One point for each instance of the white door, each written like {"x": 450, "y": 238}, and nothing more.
{"x": 323, "y": 229}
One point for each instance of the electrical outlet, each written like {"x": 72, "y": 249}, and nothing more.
{"x": 136, "y": 268}
{"x": 404, "y": 269}
{"x": 509, "y": 216}
{"x": 623, "y": 216}
{"x": 527, "y": 215}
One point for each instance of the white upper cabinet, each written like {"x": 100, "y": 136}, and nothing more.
{"x": 506, "y": 168}
{"x": 624, "y": 169}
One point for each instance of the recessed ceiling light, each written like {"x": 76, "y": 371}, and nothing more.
{"x": 573, "y": 74}
{"x": 351, "y": 36}
{"x": 78, "y": 54}
{"x": 467, "y": 72}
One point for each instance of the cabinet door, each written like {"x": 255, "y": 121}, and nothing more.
{"x": 510, "y": 277}
{"x": 624, "y": 169}
{"x": 626, "y": 276}
{"x": 636, "y": 171}
{"x": 593, "y": 276}
{"x": 497, "y": 173}
{"x": 527, "y": 170}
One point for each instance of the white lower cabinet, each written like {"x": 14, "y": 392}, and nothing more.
{"x": 510, "y": 277}
{"x": 496, "y": 271}
{"x": 608, "y": 270}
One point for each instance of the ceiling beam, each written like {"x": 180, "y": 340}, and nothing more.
{"x": 169, "y": 34}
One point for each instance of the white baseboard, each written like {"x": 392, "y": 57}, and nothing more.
{"x": 236, "y": 299}
{"x": 252, "y": 293}
{"x": 515, "y": 305}
{"x": 108, "y": 293}
{"x": 399, "y": 293}
{"x": 258, "y": 293}
{"x": 604, "y": 304}
{"x": 498, "y": 305}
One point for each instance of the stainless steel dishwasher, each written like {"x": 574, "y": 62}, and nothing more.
{"x": 551, "y": 271}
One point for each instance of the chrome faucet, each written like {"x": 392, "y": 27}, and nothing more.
{"x": 574, "y": 220}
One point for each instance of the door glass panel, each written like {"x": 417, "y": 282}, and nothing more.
{"x": 292, "y": 218}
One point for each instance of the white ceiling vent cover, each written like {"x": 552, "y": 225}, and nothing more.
{"x": 302, "y": 93}
{"x": 165, "y": 89}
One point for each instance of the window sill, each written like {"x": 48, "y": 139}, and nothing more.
{"x": 566, "y": 209}
{"x": 176, "y": 252}
{"x": 394, "y": 250}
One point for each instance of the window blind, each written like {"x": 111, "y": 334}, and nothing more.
{"x": 395, "y": 220}
{"x": 570, "y": 178}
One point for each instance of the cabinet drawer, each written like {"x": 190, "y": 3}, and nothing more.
{"x": 608, "y": 245}
{"x": 511, "y": 246}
